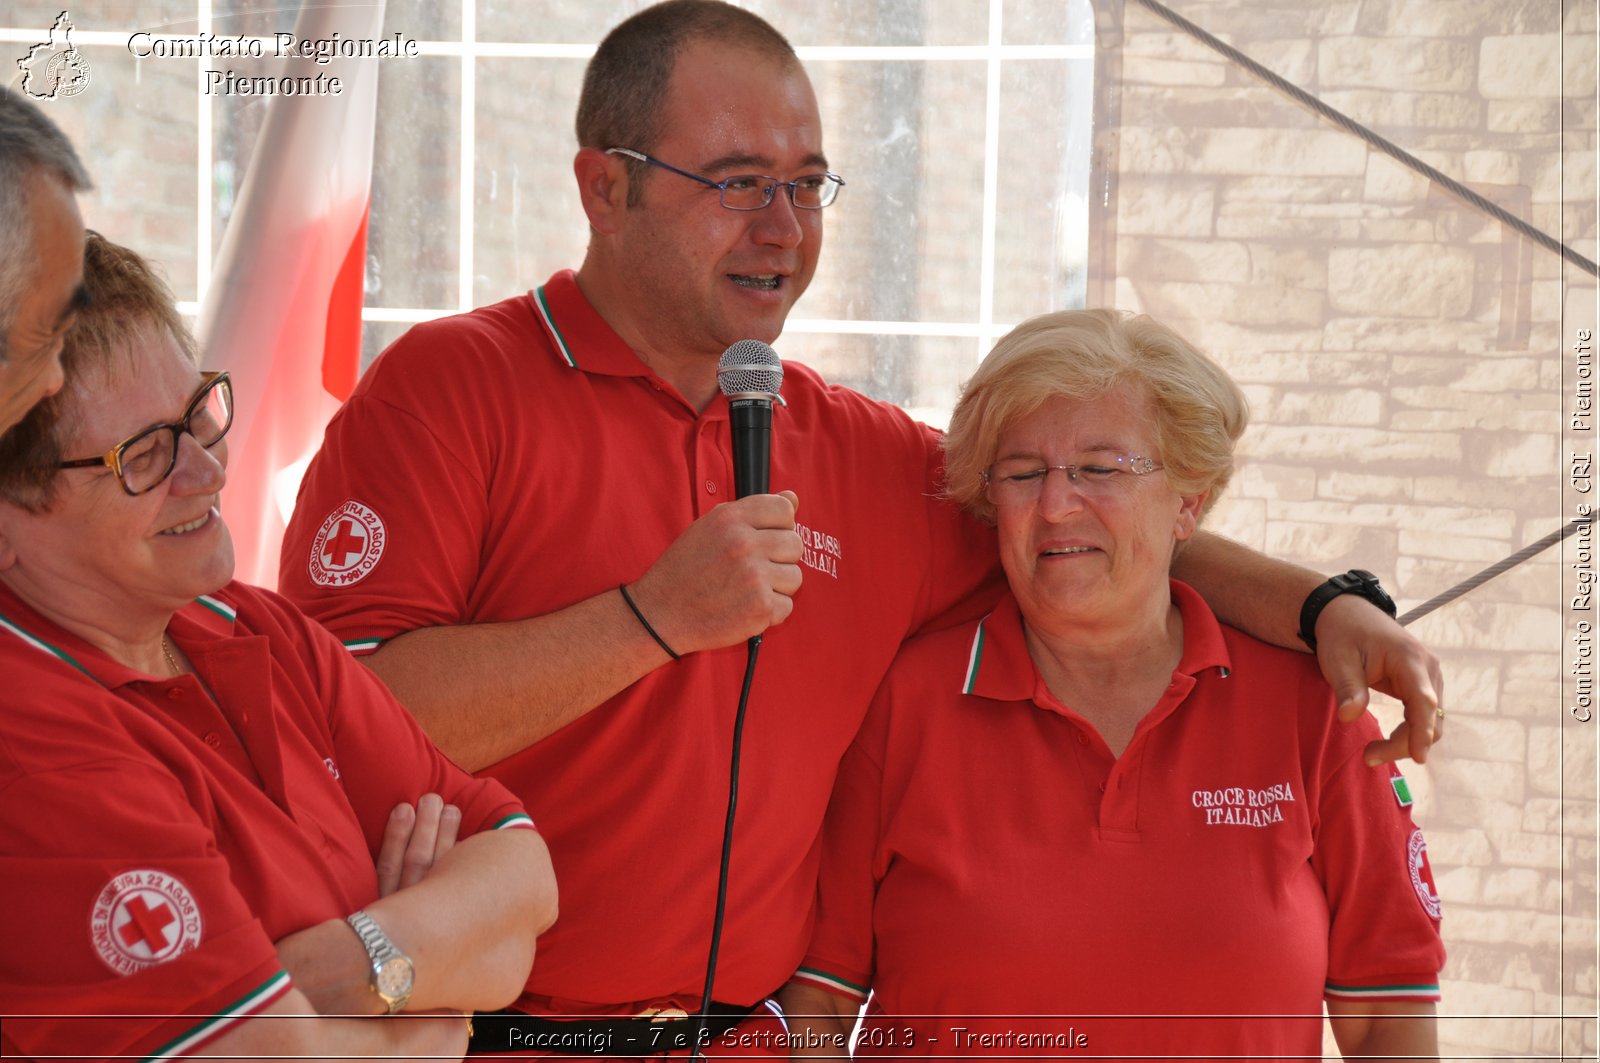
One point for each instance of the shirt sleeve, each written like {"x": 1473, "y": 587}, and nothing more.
{"x": 394, "y": 509}
{"x": 384, "y": 755}
{"x": 125, "y": 933}
{"x": 840, "y": 958}
{"x": 964, "y": 578}
{"x": 1384, "y": 908}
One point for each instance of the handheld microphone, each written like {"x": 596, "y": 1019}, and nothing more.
{"x": 750, "y": 374}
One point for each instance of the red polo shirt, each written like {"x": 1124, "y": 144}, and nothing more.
{"x": 986, "y": 855}
{"x": 156, "y": 843}
{"x": 512, "y": 461}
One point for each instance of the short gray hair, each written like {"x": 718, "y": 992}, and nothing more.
{"x": 29, "y": 143}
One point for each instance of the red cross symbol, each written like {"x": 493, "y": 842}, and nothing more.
{"x": 344, "y": 543}
{"x": 146, "y": 924}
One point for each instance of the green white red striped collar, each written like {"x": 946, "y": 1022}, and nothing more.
{"x": 210, "y": 613}
{"x": 999, "y": 667}
{"x": 580, "y": 337}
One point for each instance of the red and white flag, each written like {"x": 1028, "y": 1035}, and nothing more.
{"x": 283, "y": 311}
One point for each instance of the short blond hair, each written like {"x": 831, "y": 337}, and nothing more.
{"x": 1082, "y": 354}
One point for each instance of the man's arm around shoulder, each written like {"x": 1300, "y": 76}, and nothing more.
{"x": 1358, "y": 645}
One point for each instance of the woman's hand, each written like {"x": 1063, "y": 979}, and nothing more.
{"x": 326, "y": 960}
{"x": 414, "y": 840}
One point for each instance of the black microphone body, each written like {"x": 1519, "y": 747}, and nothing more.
{"x": 750, "y": 374}
{"x": 750, "y": 420}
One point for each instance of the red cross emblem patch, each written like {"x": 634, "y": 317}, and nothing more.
{"x": 348, "y": 546}
{"x": 142, "y": 918}
{"x": 1422, "y": 874}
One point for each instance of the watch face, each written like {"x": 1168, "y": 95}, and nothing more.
{"x": 394, "y": 978}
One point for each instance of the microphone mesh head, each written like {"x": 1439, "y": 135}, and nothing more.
{"x": 750, "y": 367}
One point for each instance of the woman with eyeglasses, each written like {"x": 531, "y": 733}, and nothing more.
{"x": 1098, "y": 822}
{"x": 217, "y": 826}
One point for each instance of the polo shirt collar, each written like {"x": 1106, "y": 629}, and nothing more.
{"x": 208, "y": 618}
{"x": 579, "y": 336}
{"x": 999, "y": 667}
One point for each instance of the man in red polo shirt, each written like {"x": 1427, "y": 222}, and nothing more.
{"x": 497, "y": 477}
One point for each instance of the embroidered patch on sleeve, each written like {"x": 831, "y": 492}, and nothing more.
{"x": 348, "y": 546}
{"x": 142, "y": 918}
{"x": 1422, "y": 874}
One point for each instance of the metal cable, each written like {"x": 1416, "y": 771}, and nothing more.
{"x": 1378, "y": 143}
{"x": 1474, "y": 581}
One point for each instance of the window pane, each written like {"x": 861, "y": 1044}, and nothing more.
{"x": 423, "y": 20}
{"x": 1041, "y": 216}
{"x": 832, "y": 22}
{"x": 377, "y": 335}
{"x": 135, "y": 129}
{"x": 921, "y": 373}
{"x": 586, "y": 23}
{"x": 878, "y": 22}
{"x": 413, "y": 235}
{"x": 905, "y": 238}
{"x": 1047, "y": 22}
{"x": 250, "y": 17}
{"x": 118, "y": 16}
{"x": 527, "y": 219}
{"x": 235, "y": 124}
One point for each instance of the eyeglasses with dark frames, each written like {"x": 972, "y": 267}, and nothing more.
{"x": 754, "y": 191}
{"x": 146, "y": 458}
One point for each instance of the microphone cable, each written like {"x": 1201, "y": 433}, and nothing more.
{"x": 753, "y": 647}
{"x": 749, "y": 375}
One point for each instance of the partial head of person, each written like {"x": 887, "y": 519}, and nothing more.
{"x": 1096, "y": 440}
{"x": 701, "y": 170}
{"x": 41, "y": 253}
{"x": 109, "y": 489}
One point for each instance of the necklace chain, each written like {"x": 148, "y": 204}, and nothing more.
{"x": 172, "y": 662}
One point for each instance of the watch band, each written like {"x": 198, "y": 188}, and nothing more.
{"x": 392, "y": 972}
{"x": 1357, "y": 581}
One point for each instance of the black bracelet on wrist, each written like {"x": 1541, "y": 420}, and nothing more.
{"x": 1357, "y": 581}
{"x": 623, "y": 587}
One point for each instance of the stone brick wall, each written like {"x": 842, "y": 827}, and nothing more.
{"x": 1406, "y": 359}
